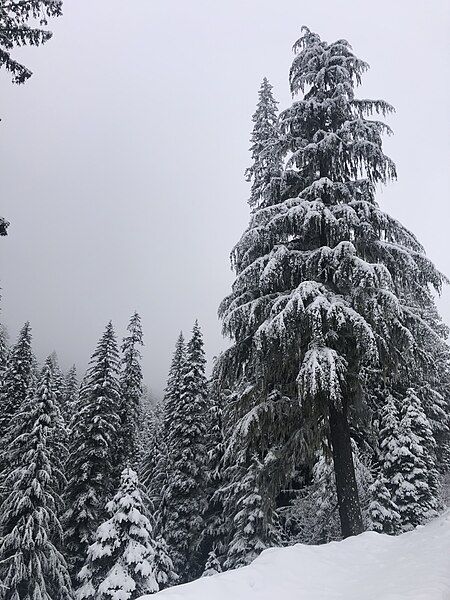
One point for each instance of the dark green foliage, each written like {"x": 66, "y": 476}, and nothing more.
{"x": 31, "y": 563}
{"x": 92, "y": 469}
{"x": 185, "y": 430}
{"x": 21, "y": 24}
{"x": 331, "y": 294}
{"x": 131, "y": 392}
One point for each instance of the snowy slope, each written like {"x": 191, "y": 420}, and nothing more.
{"x": 371, "y": 566}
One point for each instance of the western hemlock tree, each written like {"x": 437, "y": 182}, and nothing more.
{"x": 384, "y": 516}
{"x": 185, "y": 489}
{"x": 92, "y": 469}
{"x": 131, "y": 390}
{"x": 265, "y": 172}
{"x": 325, "y": 278}
{"x": 120, "y": 562}
{"x": 21, "y": 25}
{"x": 31, "y": 563}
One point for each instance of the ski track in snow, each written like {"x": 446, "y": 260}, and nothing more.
{"x": 371, "y": 566}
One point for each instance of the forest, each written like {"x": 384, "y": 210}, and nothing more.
{"x": 327, "y": 415}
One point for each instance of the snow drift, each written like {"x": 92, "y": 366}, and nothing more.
{"x": 371, "y": 566}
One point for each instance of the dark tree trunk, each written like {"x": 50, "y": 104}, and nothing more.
{"x": 347, "y": 491}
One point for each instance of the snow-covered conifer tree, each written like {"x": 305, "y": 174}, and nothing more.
{"x": 212, "y": 565}
{"x": 253, "y": 532}
{"x": 324, "y": 277}
{"x": 215, "y": 532}
{"x": 412, "y": 410}
{"x": 163, "y": 565}
{"x": 70, "y": 396}
{"x": 4, "y": 351}
{"x": 31, "y": 563}
{"x": 410, "y": 464}
{"x": 92, "y": 469}
{"x": 17, "y": 378}
{"x": 265, "y": 171}
{"x": 384, "y": 516}
{"x": 185, "y": 488}
{"x": 131, "y": 391}
{"x": 155, "y": 465}
{"x": 120, "y": 562}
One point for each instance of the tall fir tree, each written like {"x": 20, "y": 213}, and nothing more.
{"x": 384, "y": 516}
{"x": 325, "y": 279}
{"x": 17, "y": 378}
{"x": 266, "y": 169}
{"x": 70, "y": 396}
{"x": 120, "y": 563}
{"x": 412, "y": 410}
{"x": 31, "y": 563}
{"x": 412, "y": 466}
{"x": 4, "y": 352}
{"x": 185, "y": 488}
{"x": 92, "y": 469}
{"x": 155, "y": 468}
{"x": 131, "y": 391}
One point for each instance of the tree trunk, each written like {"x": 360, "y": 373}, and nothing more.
{"x": 344, "y": 470}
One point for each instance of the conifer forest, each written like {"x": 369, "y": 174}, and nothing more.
{"x": 325, "y": 416}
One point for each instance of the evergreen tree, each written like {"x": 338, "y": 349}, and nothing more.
{"x": 413, "y": 412}
{"x": 412, "y": 468}
{"x": 70, "y": 396}
{"x": 266, "y": 169}
{"x": 253, "y": 533}
{"x": 215, "y": 532}
{"x": 92, "y": 469}
{"x": 155, "y": 465}
{"x": 17, "y": 28}
{"x": 4, "y": 351}
{"x": 163, "y": 566}
{"x": 31, "y": 563}
{"x": 313, "y": 516}
{"x": 131, "y": 391}
{"x": 383, "y": 512}
{"x": 17, "y": 378}
{"x": 325, "y": 278}
{"x": 185, "y": 427}
{"x": 212, "y": 566}
{"x": 4, "y": 224}
{"x": 120, "y": 562}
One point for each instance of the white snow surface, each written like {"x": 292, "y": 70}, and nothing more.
{"x": 371, "y": 566}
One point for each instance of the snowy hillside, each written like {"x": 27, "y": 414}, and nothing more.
{"x": 371, "y": 566}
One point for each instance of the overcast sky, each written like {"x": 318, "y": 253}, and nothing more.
{"x": 122, "y": 159}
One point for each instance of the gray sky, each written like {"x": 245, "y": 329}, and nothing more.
{"x": 122, "y": 159}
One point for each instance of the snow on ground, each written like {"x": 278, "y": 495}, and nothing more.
{"x": 371, "y": 566}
